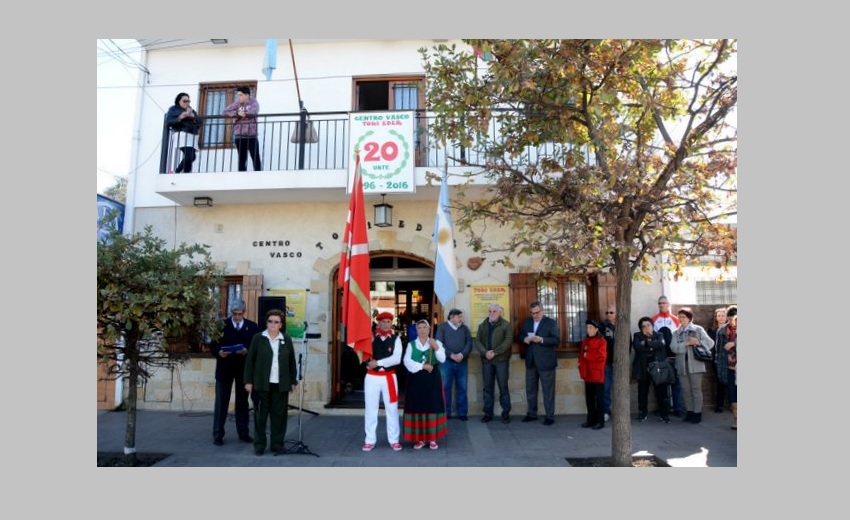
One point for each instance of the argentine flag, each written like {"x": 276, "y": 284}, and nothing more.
{"x": 270, "y": 60}
{"x": 445, "y": 271}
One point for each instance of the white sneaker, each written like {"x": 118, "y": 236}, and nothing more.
{"x": 607, "y": 417}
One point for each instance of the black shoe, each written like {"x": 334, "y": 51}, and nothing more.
{"x": 506, "y": 419}
{"x": 218, "y": 442}
{"x": 689, "y": 417}
{"x": 487, "y": 418}
{"x": 448, "y": 416}
{"x": 548, "y": 422}
{"x": 246, "y": 438}
{"x": 678, "y": 413}
{"x": 642, "y": 416}
{"x": 277, "y": 449}
{"x": 665, "y": 419}
{"x": 529, "y": 418}
{"x": 462, "y": 417}
{"x": 697, "y": 418}
{"x": 586, "y": 425}
{"x": 259, "y": 451}
{"x": 597, "y": 426}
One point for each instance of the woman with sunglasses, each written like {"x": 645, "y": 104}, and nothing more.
{"x": 649, "y": 346}
{"x": 183, "y": 121}
{"x": 270, "y": 373}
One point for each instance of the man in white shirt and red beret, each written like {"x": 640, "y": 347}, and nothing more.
{"x": 381, "y": 383}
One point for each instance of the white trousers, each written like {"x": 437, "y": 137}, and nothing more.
{"x": 376, "y": 388}
{"x": 180, "y": 140}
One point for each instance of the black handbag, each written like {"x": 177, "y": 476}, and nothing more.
{"x": 661, "y": 373}
{"x": 702, "y": 354}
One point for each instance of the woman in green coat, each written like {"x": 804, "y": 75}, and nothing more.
{"x": 270, "y": 372}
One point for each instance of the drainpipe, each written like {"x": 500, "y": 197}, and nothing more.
{"x": 130, "y": 205}
{"x": 132, "y": 181}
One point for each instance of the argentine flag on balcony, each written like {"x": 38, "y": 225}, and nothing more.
{"x": 270, "y": 60}
{"x": 445, "y": 271}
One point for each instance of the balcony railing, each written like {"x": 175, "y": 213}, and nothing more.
{"x": 281, "y": 150}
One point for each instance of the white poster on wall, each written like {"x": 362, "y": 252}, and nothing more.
{"x": 385, "y": 143}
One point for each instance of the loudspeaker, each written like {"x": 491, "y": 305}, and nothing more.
{"x": 267, "y": 303}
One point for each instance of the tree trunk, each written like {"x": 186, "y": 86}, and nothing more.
{"x": 621, "y": 435}
{"x": 130, "y": 432}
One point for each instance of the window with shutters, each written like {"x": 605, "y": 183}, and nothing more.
{"x": 570, "y": 300}
{"x": 215, "y": 97}
{"x": 395, "y": 93}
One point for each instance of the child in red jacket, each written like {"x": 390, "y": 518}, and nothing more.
{"x": 591, "y": 368}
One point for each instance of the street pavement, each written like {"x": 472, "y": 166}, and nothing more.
{"x": 321, "y": 440}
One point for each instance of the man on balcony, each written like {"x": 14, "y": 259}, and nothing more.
{"x": 244, "y": 111}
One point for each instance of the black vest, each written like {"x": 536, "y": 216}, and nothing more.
{"x": 383, "y": 348}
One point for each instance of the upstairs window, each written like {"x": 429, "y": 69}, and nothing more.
{"x": 215, "y": 97}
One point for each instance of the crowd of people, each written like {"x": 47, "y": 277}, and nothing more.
{"x": 261, "y": 364}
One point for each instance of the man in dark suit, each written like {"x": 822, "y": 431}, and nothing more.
{"x": 541, "y": 335}
{"x": 229, "y": 369}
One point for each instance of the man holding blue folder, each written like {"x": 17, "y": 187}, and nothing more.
{"x": 229, "y": 353}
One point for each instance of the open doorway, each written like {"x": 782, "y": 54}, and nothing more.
{"x": 401, "y": 284}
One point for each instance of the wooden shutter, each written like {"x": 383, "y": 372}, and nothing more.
{"x": 523, "y": 291}
{"x": 252, "y": 289}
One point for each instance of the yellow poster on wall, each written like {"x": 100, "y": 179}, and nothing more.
{"x": 296, "y": 310}
{"x": 481, "y": 296}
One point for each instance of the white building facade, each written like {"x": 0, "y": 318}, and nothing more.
{"x": 279, "y": 230}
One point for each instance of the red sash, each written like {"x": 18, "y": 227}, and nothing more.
{"x": 390, "y": 381}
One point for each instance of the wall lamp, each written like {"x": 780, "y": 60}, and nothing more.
{"x": 383, "y": 213}
{"x": 203, "y": 202}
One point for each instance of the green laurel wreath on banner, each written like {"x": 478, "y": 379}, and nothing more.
{"x": 405, "y": 158}
{"x": 357, "y": 146}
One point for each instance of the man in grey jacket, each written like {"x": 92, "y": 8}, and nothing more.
{"x": 457, "y": 340}
{"x": 493, "y": 341}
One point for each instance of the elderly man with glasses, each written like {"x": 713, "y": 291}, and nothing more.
{"x": 493, "y": 341}
{"x": 541, "y": 335}
{"x": 229, "y": 353}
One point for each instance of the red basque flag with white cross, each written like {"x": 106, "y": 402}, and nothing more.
{"x": 354, "y": 273}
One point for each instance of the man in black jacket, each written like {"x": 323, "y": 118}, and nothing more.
{"x": 229, "y": 353}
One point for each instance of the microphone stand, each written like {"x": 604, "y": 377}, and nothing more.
{"x": 298, "y": 447}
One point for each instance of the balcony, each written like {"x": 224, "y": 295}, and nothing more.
{"x": 316, "y": 170}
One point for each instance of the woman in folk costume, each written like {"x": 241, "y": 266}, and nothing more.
{"x": 424, "y": 404}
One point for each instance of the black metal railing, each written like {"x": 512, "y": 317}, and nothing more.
{"x": 309, "y": 141}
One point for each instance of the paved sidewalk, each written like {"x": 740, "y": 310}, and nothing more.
{"x": 337, "y": 439}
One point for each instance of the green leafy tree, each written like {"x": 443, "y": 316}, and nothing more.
{"x": 597, "y": 155}
{"x": 150, "y": 299}
{"x": 118, "y": 190}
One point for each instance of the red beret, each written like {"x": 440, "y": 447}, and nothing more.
{"x": 385, "y": 316}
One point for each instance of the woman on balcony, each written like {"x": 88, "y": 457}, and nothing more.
{"x": 182, "y": 119}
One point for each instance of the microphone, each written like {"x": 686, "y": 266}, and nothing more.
{"x": 300, "y": 368}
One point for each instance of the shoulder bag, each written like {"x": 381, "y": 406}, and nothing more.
{"x": 661, "y": 372}
{"x": 702, "y": 354}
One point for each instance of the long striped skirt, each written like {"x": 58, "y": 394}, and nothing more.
{"x": 424, "y": 407}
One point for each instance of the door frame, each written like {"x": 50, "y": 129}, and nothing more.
{"x": 337, "y": 345}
